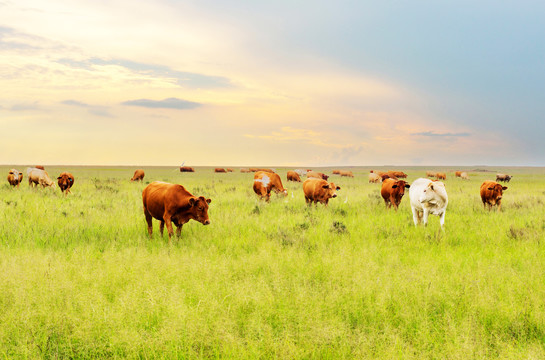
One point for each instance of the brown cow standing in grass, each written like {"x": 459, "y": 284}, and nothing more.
{"x": 265, "y": 182}
{"x": 317, "y": 175}
{"x": 138, "y": 175}
{"x": 15, "y": 177}
{"x": 65, "y": 181}
{"x": 293, "y": 176}
{"x": 319, "y": 191}
{"x": 220, "y": 170}
{"x": 186, "y": 169}
{"x": 491, "y": 194}
{"x": 172, "y": 203}
{"x": 346, "y": 173}
{"x": 392, "y": 192}
{"x": 441, "y": 176}
{"x": 458, "y": 173}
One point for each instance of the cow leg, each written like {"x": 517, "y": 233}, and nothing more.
{"x": 425, "y": 217}
{"x": 442, "y": 218}
{"x": 162, "y": 227}
{"x": 416, "y": 216}
{"x": 168, "y": 223}
{"x": 148, "y": 220}
{"x": 179, "y": 230}
{"x": 308, "y": 201}
{"x": 499, "y": 205}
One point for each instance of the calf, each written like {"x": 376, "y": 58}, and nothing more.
{"x": 491, "y": 194}
{"x": 428, "y": 197}
{"x": 319, "y": 191}
{"x": 392, "y": 192}
{"x": 265, "y": 182}
{"x": 138, "y": 175}
{"x": 172, "y": 203}
{"x": 15, "y": 177}
{"x": 65, "y": 181}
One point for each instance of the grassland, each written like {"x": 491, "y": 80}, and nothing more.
{"x": 81, "y": 279}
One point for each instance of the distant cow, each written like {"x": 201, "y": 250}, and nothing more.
{"x": 317, "y": 175}
{"x": 464, "y": 176}
{"x": 431, "y": 174}
{"x": 491, "y": 194}
{"x": 428, "y": 197}
{"x": 39, "y": 177}
{"x": 392, "y": 192}
{"x": 293, "y": 176}
{"x": 441, "y": 176}
{"x": 398, "y": 174}
{"x": 336, "y": 172}
{"x": 503, "y": 177}
{"x": 39, "y": 167}
{"x": 374, "y": 178}
{"x": 65, "y": 181}
{"x": 172, "y": 203}
{"x": 346, "y": 173}
{"x": 319, "y": 191}
{"x": 265, "y": 182}
{"x": 186, "y": 169}
{"x": 458, "y": 173}
{"x": 138, "y": 175}
{"x": 15, "y": 177}
{"x": 229, "y": 170}
{"x": 220, "y": 170}
{"x": 245, "y": 170}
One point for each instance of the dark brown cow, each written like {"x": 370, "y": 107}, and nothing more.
{"x": 138, "y": 175}
{"x": 293, "y": 176}
{"x": 491, "y": 194}
{"x": 15, "y": 177}
{"x": 319, "y": 191}
{"x": 392, "y": 192}
{"x": 65, "y": 181}
{"x": 186, "y": 169}
{"x": 503, "y": 177}
{"x": 317, "y": 175}
{"x": 265, "y": 182}
{"x": 172, "y": 203}
{"x": 346, "y": 173}
{"x": 220, "y": 170}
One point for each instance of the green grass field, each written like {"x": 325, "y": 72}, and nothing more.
{"x": 81, "y": 279}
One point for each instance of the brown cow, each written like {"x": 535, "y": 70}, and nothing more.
{"x": 346, "y": 173}
{"x": 186, "y": 169}
{"x": 503, "y": 177}
{"x": 392, "y": 192}
{"x": 431, "y": 174}
{"x": 39, "y": 167}
{"x": 293, "y": 176}
{"x": 317, "y": 175}
{"x": 374, "y": 178}
{"x": 336, "y": 172}
{"x": 319, "y": 191}
{"x": 491, "y": 194}
{"x": 138, "y": 175}
{"x": 399, "y": 174}
{"x": 265, "y": 182}
{"x": 458, "y": 173}
{"x": 172, "y": 203}
{"x": 245, "y": 170}
{"x": 65, "y": 181}
{"x": 220, "y": 170}
{"x": 229, "y": 170}
{"x": 441, "y": 176}
{"x": 15, "y": 177}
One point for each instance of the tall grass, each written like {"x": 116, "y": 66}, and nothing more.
{"x": 81, "y": 279}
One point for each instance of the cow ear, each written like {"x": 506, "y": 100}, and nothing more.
{"x": 394, "y": 186}
{"x": 504, "y": 187}
{"x": 208, "y": 201}
{"x": 338, "y": 188}
{"x": 431, "y": 186}
{"x": 59, "y": 178}
{"x": 192, "y": 201}
{"x": 325, "y": 186}
{"x": 408, "y": 186}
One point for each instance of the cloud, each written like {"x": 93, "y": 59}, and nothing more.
{"x": 92, "y": 109}
{"x": 170, "y": 103}
{"x": 24, "y": 107}
{"x": 447, "y": 134}
{"x": 182, "y": 78}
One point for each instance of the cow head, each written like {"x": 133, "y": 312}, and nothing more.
{"x": 199, "y": 209}
{"x": 434, "y": 192}
{"x": 330, "y": 190}
{"x": 400, "y": 185}
{"x": 496, "y": 193}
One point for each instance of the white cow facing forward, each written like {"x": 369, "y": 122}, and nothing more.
{"x": 428, "y": 197}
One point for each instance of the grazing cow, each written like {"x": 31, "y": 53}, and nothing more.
{"x": 293, "y": 176}
{"x": 15, "y": 177}
{"x": 220, "y": 170}
{"x": 464, "y": 176}
{"x": 317, "y": 175}
{"x": 441, "y": 176}
{"x": 39, "y": 167}
{"x": 245, "y": 170}
{"x": 229, "y": 170}
{"x": 39, "y": 177}
{"x": 392, "y": 192}
{"x": 458, "y": 173}
{"x": 186, "y": 169}
{"x": 385, "y": 176}
{"x": 374, "y": 178}
{"x": 346, "y": 173}
{"x": 265, "y": 182}
{"x": 319, "y": 191}
{"x": 65, "y": 181}
{"x": 138, "y": 175}
{"x": 431, "y": 174}
{"x": 266, "y": 170}
{"x": 503, "y": 177}
{"x": 172, "y": 203}
{"x": 336, "y": 172}
{"x": 398, "y": 174}
{"x": 491, "y": 194}
{"x": 428, "y": 197}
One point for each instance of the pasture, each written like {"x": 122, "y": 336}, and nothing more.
{"x": 81, "y": 279}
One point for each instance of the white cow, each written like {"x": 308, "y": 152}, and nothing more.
{"x": 428, "y": 197}
{"x": 39, "y": 177}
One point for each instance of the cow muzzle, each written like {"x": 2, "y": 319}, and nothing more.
{"x": 334, "y": 195}
{"x": 206, "y": 222}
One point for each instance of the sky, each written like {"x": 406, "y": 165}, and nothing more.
{"x": 272, "y": 83}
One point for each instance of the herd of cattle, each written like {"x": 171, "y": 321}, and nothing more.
{"x": 173, "y": 204}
